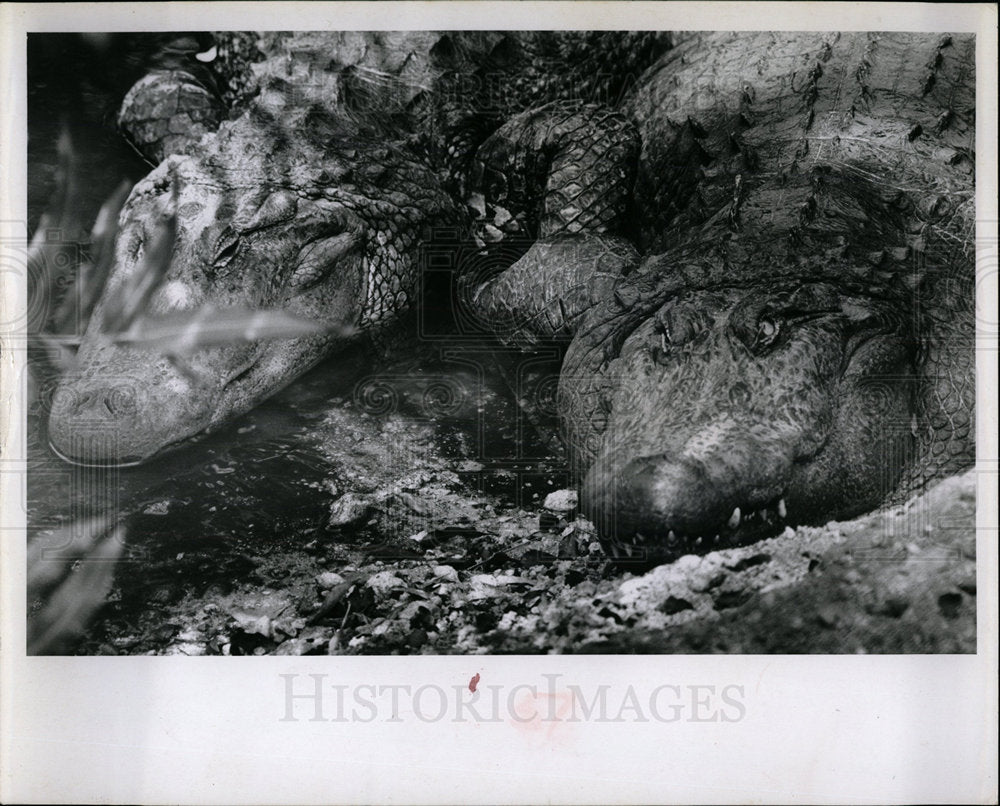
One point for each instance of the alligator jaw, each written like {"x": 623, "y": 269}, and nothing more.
{"x": 657, "y": 507}
{"x": 655, "y": 545}
{"x": 124, "y": 405}
{"x": 86, "y": 431}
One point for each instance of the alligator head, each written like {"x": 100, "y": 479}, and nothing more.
{"x": 736, "y": 411}
{"x": 274, "y": 211}
{"x": 742, "y": 383}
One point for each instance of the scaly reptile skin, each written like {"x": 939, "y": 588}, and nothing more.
{"x": 781, "y": 331}
{"x": 345, "y": 150}
{"x": 797, "y": 342}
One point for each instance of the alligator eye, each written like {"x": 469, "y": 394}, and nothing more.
{"x": 661, "y": 351}
{"x": 225, "y": 247}
{"x": 767, "y": 332}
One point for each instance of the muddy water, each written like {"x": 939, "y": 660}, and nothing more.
{"x": 201, "y": 515}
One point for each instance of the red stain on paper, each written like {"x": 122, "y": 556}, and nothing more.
{"x": 545, "y": 717}
{"x": 474, "y": 682}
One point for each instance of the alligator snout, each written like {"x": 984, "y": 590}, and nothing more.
{"x": 125, "y": 420}
{"x": 656, "y": 506}
{"x": 87, "y": 429}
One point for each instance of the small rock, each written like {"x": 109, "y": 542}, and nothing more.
{"x": 561, "y": 501}
{"x": 349, "y": 509}
{"x": 329, "y": 579}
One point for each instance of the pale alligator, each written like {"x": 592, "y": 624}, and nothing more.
{"x": 318, "y": 198}
{"x": 797, "y": 343}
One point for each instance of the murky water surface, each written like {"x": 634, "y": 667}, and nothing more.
{"x": 267, "y": 481}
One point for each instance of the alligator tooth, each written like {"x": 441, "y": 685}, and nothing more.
{"x": 697, "y": 541}
{"x": 715, "y": 539}
{"x": 628, "y": 550}
{"x": 734, "y": 519}
{"x": 765, "y": 515}
{"x": 671, "y": 536}
{"x": 782, "y": 511}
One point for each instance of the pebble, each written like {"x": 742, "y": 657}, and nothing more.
{"x": 561, "y": 501}
{"x": 328, "y": 580}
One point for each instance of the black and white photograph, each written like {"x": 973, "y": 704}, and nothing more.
{"x": 527, "y": 340}
{"x": 514, "y": 341}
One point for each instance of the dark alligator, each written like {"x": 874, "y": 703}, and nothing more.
{"x": 796, "y": 344}
{"x": 317, "y": 199}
